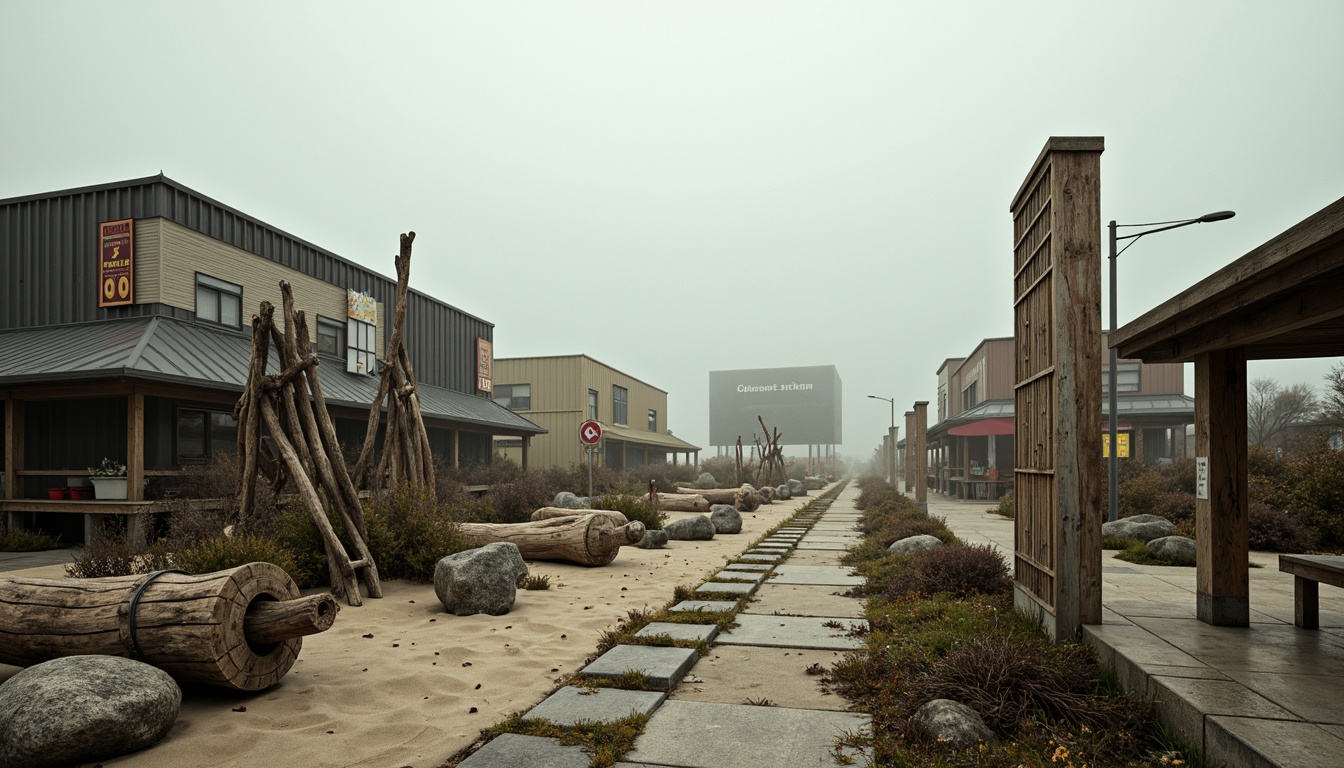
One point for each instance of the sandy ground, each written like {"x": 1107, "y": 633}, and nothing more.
{"x": 421, "y": 688}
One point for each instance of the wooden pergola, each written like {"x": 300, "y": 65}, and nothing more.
{"x": 1284, "y": 299}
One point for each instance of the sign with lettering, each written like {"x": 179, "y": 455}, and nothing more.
{"x": 1121, "y": 445}
{"x": 485, "y": 360}
{"x": 116, "y": 263}
{"x": 802, "y": 403}
{"x": 1201, "y": 477}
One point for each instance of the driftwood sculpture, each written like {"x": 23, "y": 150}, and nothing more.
{"x": 588, "y": 539}
{"x": 680, "y": 502}
{"x": 239, "y": 629}
{"x": 771, "y": 470}
{"x": 290, "y": 407}
{"x": 406, "y": 455}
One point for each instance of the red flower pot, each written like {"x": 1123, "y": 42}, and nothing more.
{"x": 81, "y": 494}
{"x": 56, "y": 493}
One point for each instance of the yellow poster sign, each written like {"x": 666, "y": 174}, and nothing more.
{"x": 1121, "y": 445}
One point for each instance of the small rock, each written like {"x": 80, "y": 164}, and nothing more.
{"x": 954, "y": 723}
{"x": 482, "y": 580}
{"x": 80, "y": 709}
{"x": 698, "y": 528}
{"x": 1173, "y": 548}
{"x": 705, "y": 480}
{"x": 1140, "y": 527}
{"x": 796, "y": 488}
{"x": 767, "y": 494}
{"x": 653, "y": 540}
{"x": 912, "y": 544}
{"x": 567, "y": 500}
{"x": 726, "y": 518}
{"x": 783, "y": 492}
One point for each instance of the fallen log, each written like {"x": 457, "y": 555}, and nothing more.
{"x": 680, "y": 502}
{"x": 550, "y": 513}
{"x": 240, "y": 629}
{"x": 742, "y": 499}
{"x": 587, "y": 540}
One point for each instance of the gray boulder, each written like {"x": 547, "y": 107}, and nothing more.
{"x": 1173, "y": 547}
{"x": 567, "y": 500}
{"x": 653, "y": 540}
{"x": 705, "y": 481}
{"x": 81, "y": 709}
{"x": 912, "y": 544}
{"x": 482, "y": 580}
{"x": 956, "y": 724}
{"x": 767, "y": 494}
{"x": 1141, "y": 527}
{"x": 782, "y": 492}
{"x": 726, "y": 518}
{"x": 698, "y": 528}
{"x": 796, "y": 487}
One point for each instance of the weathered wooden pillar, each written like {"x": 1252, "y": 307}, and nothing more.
{"x": 456, "y": 450}
{"x": 527, "y": 448}
{"x": 893, "y": 435}
{"x": 13, "y": 448}
{"x": 911, "y": 460}
{"x": 1057, "y": 339}
{"x": 1221, "y": 528}
{"x": 135, "y": 445}
{"x": 921, "y": 419}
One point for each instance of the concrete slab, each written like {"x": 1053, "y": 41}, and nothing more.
{"x": 800, "y": 600}
{"x": 748, "y": 576}
{"x": 792, "y": 632}
{"x": 672, "y": 629}
{"x": 749, "y": 567}
{"x": 817, "y": 538}
{"x": 752, "y": 557}
{"x": 512, "y": 750}
{"x": 1270, "y": 743}
{"x": 1314, "y": 698}
{"x": 817, "y": 556}
{"x": 663, "y": 667}
{"x": 570, "y": 705}
{"x": 733, "y": 674}
{"x": 1183, "y": 703}
{"x": 705, "y": 605}
{"x": 826, "y": 545}
{"x": 720, "y": 588}
{"x": 827, "y": 575}
{"x": 695, "y": 734}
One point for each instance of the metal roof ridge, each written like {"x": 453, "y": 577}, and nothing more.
{"x": 133, "y": 359}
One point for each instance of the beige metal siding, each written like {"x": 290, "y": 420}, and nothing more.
{"x": 148, "y": 252}
{"x": 554, "y": 380}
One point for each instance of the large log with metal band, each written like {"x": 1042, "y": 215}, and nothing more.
{"x": 241, "y": 628}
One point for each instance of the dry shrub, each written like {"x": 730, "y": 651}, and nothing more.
{"x": 1309, "y": 485}
{"x": 633, "y": 508}
{"x": 113, "y": 553}
{"x": 24, "y": 540}
{"x": 409, "y": 533}
{"x": 1007, "y": 506}
{"x": 224, "y": 552}
{"x": 723, "y": 468}
{"x": 666, "y": 476}
{"x": 1273, "y": 530}
{"x": 959, "y": 571}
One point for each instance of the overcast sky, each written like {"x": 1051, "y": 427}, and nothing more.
{"x": 675, "y": 188}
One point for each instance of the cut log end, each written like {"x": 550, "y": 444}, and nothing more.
{"x": 274, "y": 621}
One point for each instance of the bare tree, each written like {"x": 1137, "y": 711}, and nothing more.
{"x": 1332, "y": 405}
{"x": 1271, "y": 408}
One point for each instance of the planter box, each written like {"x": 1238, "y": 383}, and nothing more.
{"x": 109, "y": 487}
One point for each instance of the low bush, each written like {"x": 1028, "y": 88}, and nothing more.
{"x": 1137, "y": 552}
{"x": 1273, "y": 530}
{"x": 112, "y": 553}
{"x": 633, "y": 508}
{"x": 1308, "y": 484}
{"x": 958, "y": 571}
{"x": 1118, "y": 542}
{"x": 224, "y": 552}
{"x": 1007, "y": 506}
{"x": 410, "y": 532}
{"x": 24, "y": 540}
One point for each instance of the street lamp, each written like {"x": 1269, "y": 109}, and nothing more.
{"x": 1161, "y": 226}
{"x": 891, "y": 434}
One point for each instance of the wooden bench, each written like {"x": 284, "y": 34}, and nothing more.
{"x": 1309, "y": 572}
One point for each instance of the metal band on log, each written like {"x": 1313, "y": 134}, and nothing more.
{"x": 238, "y": 629}
{"x": 587, "y": 540}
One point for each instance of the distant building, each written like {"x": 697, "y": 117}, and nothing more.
{"x": 560, "y": 393}
{"x": 125, "y": 334}
{"x": 971, "y": 446}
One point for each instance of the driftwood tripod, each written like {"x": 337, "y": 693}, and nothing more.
{"x": 291, "y": 406}
{"x": 770, "y": 470}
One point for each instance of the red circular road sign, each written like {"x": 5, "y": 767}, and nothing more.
{"x": 590, "y": 432}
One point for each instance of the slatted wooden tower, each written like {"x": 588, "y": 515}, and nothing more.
{"x": 1057, "y": 335}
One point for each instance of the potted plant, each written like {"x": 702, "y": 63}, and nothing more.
{"x": 109, "y": 480}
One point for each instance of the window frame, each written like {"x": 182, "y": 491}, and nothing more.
{"x": 594, "y": 399}
{"x": 354, "y": 352}
{"x": 509, "y": 388}
{"x": 331, "y": 324}
{"x": 620, "y": 405}
{"x": 653, "y": 420}
{"x": 208, "y": 447}
{"x": 221, "y": 289}
{"x": 1123, "y": 371}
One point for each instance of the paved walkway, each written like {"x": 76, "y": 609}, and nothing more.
{"x": 751, "y": 702}
{"x": 1266, "y": 695}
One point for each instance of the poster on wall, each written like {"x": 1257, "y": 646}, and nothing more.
{"x": 116, "y": 263}
{"x": 1121, "y": 445}
{"x": 485, "y": 358}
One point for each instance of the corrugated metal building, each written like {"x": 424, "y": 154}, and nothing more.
{"x": 125, "y": 334}
{"x": 561, "y": 392}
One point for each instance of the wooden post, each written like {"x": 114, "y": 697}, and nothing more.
{"x": 527, "y": 444}
{"x": 910, "y": 460}
{"x": 1221, "y": 527}
{"x": 893, "y": 437}
{"x": 453, "y": 457}
{"x": 135, "y": 445}
{"x": 921, "y": 419}
{"x": 13, "y": 448}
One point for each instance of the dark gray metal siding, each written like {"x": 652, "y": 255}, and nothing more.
{"x": 48, "y": 267}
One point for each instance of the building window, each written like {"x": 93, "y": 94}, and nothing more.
{"x": 968, "y": 399}
{"x": 620, "y": 398}
{"x": 515, "y": 397}
{"x": 653, "y": 420}
{"x": 218, "y": 301}
{"x": 330, "y": 336}
{"x": 1127, "y": 378}
{"x": 361, "y": 352}
{"x": 592, "y": 404}
{"x": 203, "y": 434}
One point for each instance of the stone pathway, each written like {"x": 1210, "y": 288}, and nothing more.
{"x": 751, "y": 703}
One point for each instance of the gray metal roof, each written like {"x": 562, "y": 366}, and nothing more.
{"x": 192, "y": 354}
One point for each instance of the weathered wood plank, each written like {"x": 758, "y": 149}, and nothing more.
{"x": 1221, "y": 524}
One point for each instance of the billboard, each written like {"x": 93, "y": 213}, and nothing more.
{"x": 802, "y": 403}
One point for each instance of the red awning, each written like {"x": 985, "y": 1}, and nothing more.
{"x": 983, "y": 428}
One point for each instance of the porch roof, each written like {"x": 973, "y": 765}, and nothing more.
{"x": 167, "y": 350}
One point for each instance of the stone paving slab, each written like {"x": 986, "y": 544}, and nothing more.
{"x": 663, "y": 667}
{"x": 695, "y": 734}
{"x": 827, "y": 575}
{"x": 720, "y": 588}
{"x": 705, "y": 605}
{"x": 818, "y": 539}
{"x": 570, "y": 705}
{"x": 733, "y": 674}
{"x": 804, "y": 600}
{"x": 676, "y": 631}
{"x": 1257, "y": 742}
{"x": 512, "y": 750}
{"x": 826, "y": 545}
{"x": 792, "y": 632}
{"x": 817, "y": 556}
{"x": 749, "y": 557}
{"x": 727, "y": 575}
{"x": 750, "y": 567}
